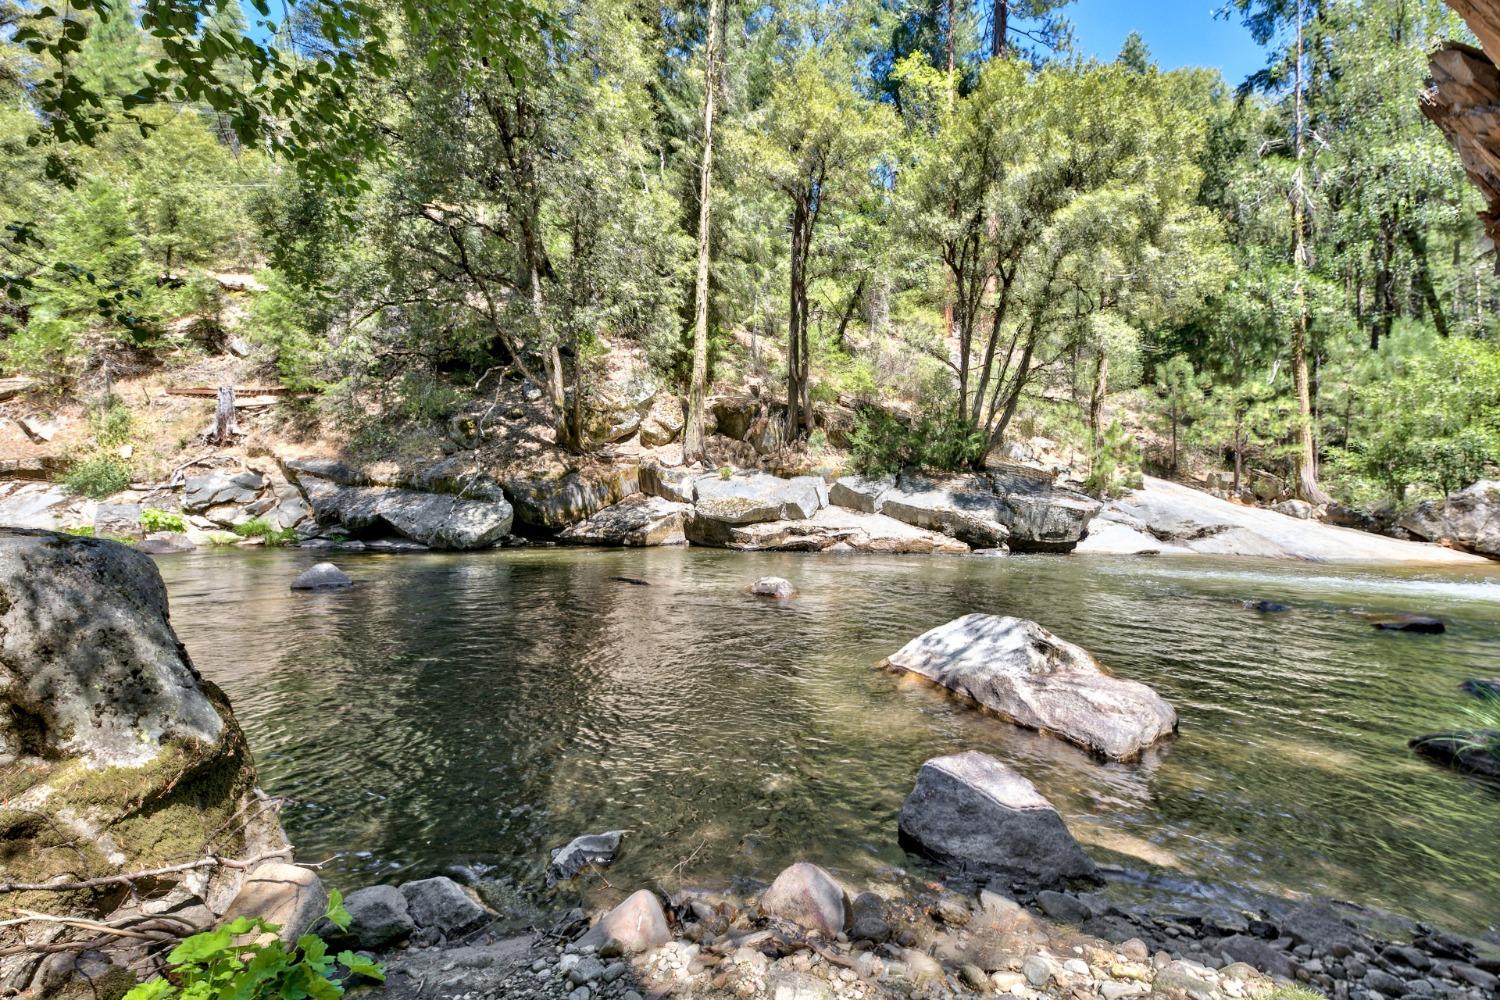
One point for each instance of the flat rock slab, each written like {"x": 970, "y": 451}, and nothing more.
{"x": 737, "y": 500}
{"x": 971, "y": 811}
{"x": 832, "y": 528}
{"x": 635, "y": 522}
{"x": 1185, "y": 521}
{"x": 963, "y": 508}
{"x": 1027, "y": 675}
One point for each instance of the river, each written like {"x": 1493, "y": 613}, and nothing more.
{"x": 475, "y": 710}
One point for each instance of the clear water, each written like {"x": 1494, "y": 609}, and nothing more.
{"x": 477, "y": 710}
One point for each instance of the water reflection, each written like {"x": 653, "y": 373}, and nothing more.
{"x": 480, "y": 709}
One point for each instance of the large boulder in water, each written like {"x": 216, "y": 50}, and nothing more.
{"x": 1025, "y": 674}
{"x": 962, "y": 508}
{"x": 117, "y": 755}
{"x": 323, "y": 576}
{"x": 436, "y": 520}
{"x": 550, "y": 501}
{"x": 636, "y": 521}
{"x": 1041, "y": 517}
{"x": 971, "y": 811}
{"x": 1469, "y": 519}
{"x": 737, "y": 500}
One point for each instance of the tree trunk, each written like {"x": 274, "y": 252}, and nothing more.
{"x": 1418, "y": 243}
{"x": 226, "y": 427}
{"x": 796, "y": 318}
{"x": 1306, "y": 458}
{"x": 1000, "y": 24}
{"x": 692, "y": 441}
{"x": 1096, "y": 399}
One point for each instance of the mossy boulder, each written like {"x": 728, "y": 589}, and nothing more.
{"x": 115, "y": 755}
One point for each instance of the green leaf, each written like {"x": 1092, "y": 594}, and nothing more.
{"x": 359, "y": 965}
{"x": 336, "y": 913}
{"x": 201, "y": 947}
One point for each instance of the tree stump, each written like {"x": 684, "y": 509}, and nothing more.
{"x": 225, "y": 428}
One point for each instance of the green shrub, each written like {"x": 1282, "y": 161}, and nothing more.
{"x": 98, "y": 477}
{"x": 111, "y": 425}
{"x": 82, "y": 531}
{"x": 1116, "y": 464}
{"x": 937, "y": 438}
{"x": 212, "y": 966}
{"x": 261, "y": 528}
{"x": 46, "y": 349}
{"x": 153, "y": 519}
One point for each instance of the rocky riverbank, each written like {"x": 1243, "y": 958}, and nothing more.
{"x": 456, "y": 505}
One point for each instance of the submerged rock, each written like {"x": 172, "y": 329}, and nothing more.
{"x": 773, "y": 586}
{"x": 1483, "y": 687}
{"x": 1029, "y": 676}
{"x": 598, "y": 849}
{"x": 323, "y": 576}
{"x": 1404, "y": 623}
{"x": 972, "y": 811}
{"x": 806, "y": 896}
{"x": 1475, "y": 751}
{"x": 637, "y": 521}
{"x": 1267, "y": 607}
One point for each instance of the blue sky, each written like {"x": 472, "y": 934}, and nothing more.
{"x": 1178, "y": 32}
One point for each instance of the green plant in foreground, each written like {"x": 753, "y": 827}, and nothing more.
{"x": 98, "y": 477}
{"x": 261, "y": 528}
{"x": 155, "y": 519}
{"x": 211, "y": 966}
{"x": 81, "y": 531}
{"x": 1486, "y": 718}
{"x": 1294, "y": 993}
